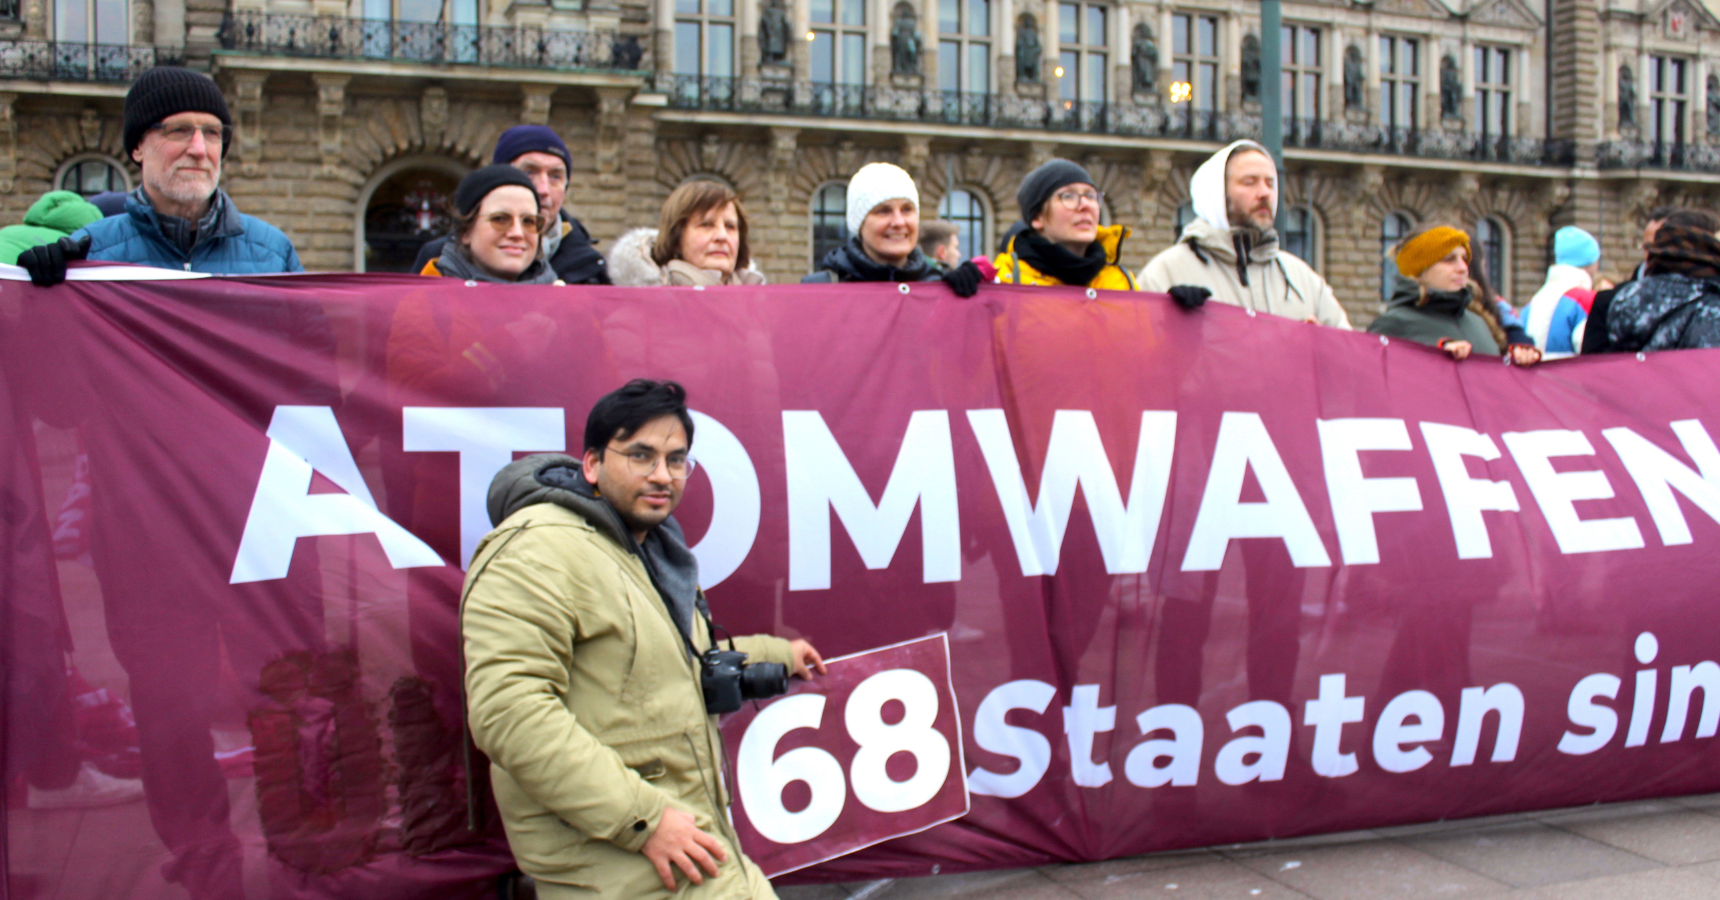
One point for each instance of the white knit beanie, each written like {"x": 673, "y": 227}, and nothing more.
{"x": 874, "y": 184}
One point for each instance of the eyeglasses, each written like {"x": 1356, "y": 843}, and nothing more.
{"x": 1072, "y": 199}
{"x": 504, "y": 222}
{"x": 181, "y": 133}
{"x": 643, "y": 462}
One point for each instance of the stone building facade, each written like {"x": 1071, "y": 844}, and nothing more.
{"x": 354, "y": 119}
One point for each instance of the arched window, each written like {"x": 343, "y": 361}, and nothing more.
{"x": 1393, "y": 228}
{"x": 1493, "y": 249}
{"x": 92, "y": 175}
{"x": 1299, "y": 235}
{"x": 967, "y": 212}
{"x": 1185, "y": 215}
{"x": 829, "y": 220}
{"x": 404, "y": 207}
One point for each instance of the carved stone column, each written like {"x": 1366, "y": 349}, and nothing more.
{"x": 8, "y": 141}
{"x": 783, "y": 144}
{"x": 433, "y": 115}
{"x": 611, "y": 127}
{"x": 331, "y": 108}
{"x": 534, "y": 103}
{"x": 248, "y": 92}
{"x": 916, "y": 152}
{"x": 1039, "y": 153}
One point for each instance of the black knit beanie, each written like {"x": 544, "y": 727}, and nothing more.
{"x": 478, "y": 185}
{"x": 168, "y": 91}
{"x": 1044, "y": 181}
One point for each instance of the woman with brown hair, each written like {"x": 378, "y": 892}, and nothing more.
{"x": 496, "y": 228}
{"x": 701, "y": 239}
{"x": 1436, "y": 302}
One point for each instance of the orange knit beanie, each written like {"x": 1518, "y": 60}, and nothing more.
{"x": 1422, "y": 251}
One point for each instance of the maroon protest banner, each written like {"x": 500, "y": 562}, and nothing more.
{"x": 870, "y": 752}
{"x": 1206, "y": 577}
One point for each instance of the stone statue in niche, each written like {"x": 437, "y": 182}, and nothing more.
{"x": 1250, "y": 67}
{"x": 1353, "y": 78}
{"x": 773, "y": 34}
{"x": 1714, "y": 106}
{"x": 1144, "y": 59}
{"x": 904, "y": 41}
{"x": 1626, "y": 97}
{"x": 1027, "y": 50}
{"x": 1450, "y": 88}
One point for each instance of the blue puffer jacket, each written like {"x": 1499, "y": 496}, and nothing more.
{"x": 237, "y": 245}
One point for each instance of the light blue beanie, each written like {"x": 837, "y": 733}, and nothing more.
{"x": 1573, "y": 246}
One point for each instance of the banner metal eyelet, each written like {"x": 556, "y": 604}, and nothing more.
{"x": 902, "y": 288}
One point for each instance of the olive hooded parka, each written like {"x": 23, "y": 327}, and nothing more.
{"x": 581, "y": 688}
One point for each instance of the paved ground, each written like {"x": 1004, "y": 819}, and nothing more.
{"x": 1652, "y": 850}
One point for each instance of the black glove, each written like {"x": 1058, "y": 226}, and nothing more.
{"x": 47, "y": 263}
{"x": 1189, "y": 296}
{"x": 964, "y": 279}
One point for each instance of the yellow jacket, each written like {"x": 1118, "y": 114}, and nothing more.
{"x": 1113, "y": 277}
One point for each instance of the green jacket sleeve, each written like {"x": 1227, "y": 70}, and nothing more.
{"x": 519, "y": 622}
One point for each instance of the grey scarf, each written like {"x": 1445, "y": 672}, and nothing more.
{"x": 456, "y": 263}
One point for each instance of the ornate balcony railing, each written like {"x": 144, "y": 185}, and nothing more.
{"x": 996, "y": 111}
{"x": 61, "y": 61}
{"x": 334, "y": 37}
{"x": 1677, "y": 157}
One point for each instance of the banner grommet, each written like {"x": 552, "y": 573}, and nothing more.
{"x": 903, "y": 287}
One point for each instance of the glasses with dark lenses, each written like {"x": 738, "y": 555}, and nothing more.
{"x": 643, "y": 462}
{"x": 1073, "y": 199}
{"x": 504, "y": 222}
{"x": 181, "y": 133}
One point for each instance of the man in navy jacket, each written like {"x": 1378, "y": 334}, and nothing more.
{"x": 178, "y": 129}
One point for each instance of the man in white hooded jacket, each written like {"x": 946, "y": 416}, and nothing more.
{"x": 1231, "y": 248}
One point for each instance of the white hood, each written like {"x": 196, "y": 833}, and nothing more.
{"x": 1206, "y": 188}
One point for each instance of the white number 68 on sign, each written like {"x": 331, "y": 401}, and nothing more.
{"x": 761, "y": 776}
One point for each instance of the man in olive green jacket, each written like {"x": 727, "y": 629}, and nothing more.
{"x": 581, "y": 616}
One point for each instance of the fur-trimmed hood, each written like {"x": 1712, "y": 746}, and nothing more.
{"x": 630, "y": 265}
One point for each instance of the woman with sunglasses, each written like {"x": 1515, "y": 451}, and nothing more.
{"x": 496, "y": 228}
{"x": 1062, "y": 241}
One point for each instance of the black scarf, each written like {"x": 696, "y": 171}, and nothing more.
{"x": 1055, "y": 260}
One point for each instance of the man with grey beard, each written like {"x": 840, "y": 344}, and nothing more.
{"x": 178, "y": 129}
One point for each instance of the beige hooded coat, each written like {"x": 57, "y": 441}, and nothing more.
{"x": 1268, "y": 280}
{"x": 580, "y": 689}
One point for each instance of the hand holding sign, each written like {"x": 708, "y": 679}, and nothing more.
{"x": 811, "y": 790}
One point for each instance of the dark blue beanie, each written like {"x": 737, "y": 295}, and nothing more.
{"x": 522, "y": 139}
{"x": 1044, "y": 181}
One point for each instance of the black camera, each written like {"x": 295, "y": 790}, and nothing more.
{"x": 728, "y": 681}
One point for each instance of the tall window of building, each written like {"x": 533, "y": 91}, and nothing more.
{"x": 964, "y": 46}
{"x": 1299, "y": 234}
{"x": 1082, "y": 32}
{"x": 1194, "y": 58}
{"x": 1400, "y": 82}
{"x": 1490, "y": 240}
{"x": 1185, "y": 215}
{"x": 964, "y": 210}
{"x": 705, "y": 38}
{"x": 79, "y": 22}
{"x": 418, "y": 29}
{"x": 829, "y": 220}
{"x": 1668, "y": 99}
{"x": 838, "y": 41}
{"x": 1493, "y": 91}
{"x": 92, "y": 175}
{"x": 1300, "y": 52}
{"x": 1393, "y": 228}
